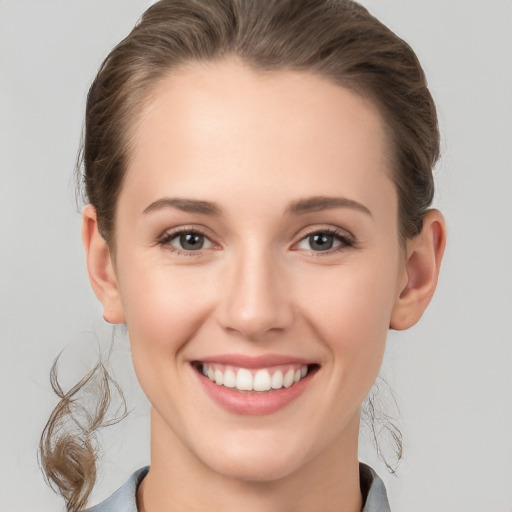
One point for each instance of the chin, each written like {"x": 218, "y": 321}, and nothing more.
{"x": 262, "y": 470}
{"x": 253, "y": 462}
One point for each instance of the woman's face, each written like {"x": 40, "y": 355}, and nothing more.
{"x": 257, "y": 242}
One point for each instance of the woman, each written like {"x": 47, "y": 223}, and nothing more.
{"x": 258, "y": 179}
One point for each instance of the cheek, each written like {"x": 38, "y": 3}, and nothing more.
{"x": 164, "y": 306}
{"x": 352, "y": 303}
{"x": 350, "y": 309}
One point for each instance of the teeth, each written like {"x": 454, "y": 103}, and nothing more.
{"x": 229, "y": 379}
{"x": 260, "y": 380}
{"x": 277, "y": 380}
{"x": 244, "y": 380}
{"x": 288, "y": 378}
{"x": 219, "y": 377}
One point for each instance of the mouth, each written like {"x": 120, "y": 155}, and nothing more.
{"x": 248, "y": 387}
{"x": 262, "y": 380}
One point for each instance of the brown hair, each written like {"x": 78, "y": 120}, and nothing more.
{"x": 335, "y": 39}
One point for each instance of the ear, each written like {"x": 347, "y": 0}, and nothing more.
{"x": 100, "y": 268}
{"x": 423, "y": 262}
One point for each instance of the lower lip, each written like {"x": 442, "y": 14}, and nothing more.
{"x": 253, "y": 404}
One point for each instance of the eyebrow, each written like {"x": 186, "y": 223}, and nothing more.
{"x": 186, "y": 205}
{"x": 317, "y": 203}
{"x": 301, "y": 206}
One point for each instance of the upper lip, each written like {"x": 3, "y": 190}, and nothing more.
{"x": 253, "y": 362}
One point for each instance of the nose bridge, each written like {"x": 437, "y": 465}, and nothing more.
{"x": 255, "y": 299}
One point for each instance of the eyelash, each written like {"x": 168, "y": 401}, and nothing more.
{"x": 345, "y": 240}
{"x": 166, "y": 239}
{"x": 341, "y": 236}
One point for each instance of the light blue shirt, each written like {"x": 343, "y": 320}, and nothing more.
{"x": 124, "y": 499}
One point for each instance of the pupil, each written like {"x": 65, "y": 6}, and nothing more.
{"x": 191, "y": 241}
{"x": 321, "y": 242}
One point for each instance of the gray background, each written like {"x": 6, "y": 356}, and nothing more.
{"x": 452, "y": 374}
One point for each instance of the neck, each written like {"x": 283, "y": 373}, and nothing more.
{"x": 178, "y": 481}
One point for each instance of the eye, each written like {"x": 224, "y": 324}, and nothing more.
{"x": 186, "y": 241}
{"x": 325, "y": 240}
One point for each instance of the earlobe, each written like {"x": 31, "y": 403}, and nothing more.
{"x": 423, "y": 262}
{"x": 100, "y": 268}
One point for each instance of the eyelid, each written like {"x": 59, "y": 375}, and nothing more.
{"x": 345, "y": 237}
{"x": 170, "y": 234}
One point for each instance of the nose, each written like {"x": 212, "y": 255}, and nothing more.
{"x": 255, "y": 299}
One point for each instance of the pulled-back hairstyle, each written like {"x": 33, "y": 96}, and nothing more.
{"x": 335, "y": 39}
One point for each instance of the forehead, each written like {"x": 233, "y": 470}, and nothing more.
{"x": 225, "y": 121}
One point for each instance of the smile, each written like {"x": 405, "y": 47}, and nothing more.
{"x": 254, "y": 386}
{"x": 261, "y": 380}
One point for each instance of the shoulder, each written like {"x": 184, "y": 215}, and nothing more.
{"x": 375, "y": 498}
{"x": 124, "y": 499}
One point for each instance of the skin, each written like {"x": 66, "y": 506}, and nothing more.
{"x": 254, "y": 143}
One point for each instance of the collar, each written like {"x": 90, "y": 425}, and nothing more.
{"x": 375, "y": 498}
